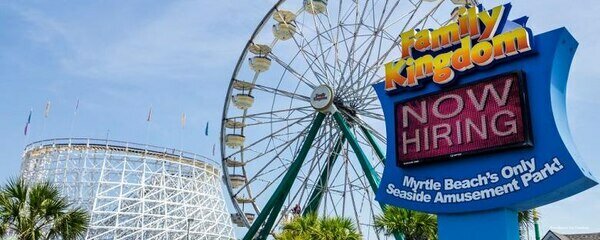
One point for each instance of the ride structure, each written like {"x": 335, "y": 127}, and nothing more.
{"x": 134, "y": 191}
{"x": 302, "y": 127}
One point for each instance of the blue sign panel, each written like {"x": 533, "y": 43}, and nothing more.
{"x": 498, "y": 137}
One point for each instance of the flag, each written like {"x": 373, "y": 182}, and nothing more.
{"x": 214, "y": 145}
{"x": 47, "y": 110}
{"x": 77, "y": 105}
{"x": 149, "y": 118}
{"x": 28, "y": 122}
{"x": 183, "y": 120}
{"x": 206, "y": 130}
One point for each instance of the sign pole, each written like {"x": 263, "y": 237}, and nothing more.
{"x": 501, "y": 224}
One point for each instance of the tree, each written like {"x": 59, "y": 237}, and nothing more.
{"x": 414, "y": 225}
{"x": 38, "y": 211}
{"x": 311, "y": 227}
{"x": 526, "y": 222}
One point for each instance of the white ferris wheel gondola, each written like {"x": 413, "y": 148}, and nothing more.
{"x": 242, "y": 86}
{"x": 231, "y": 162}
{"x": 237, "y": 180}
{"x": 237, "y": 218}
{"x": 259, "y": 49}
{"x": 315, "y": 6}
{"x": 284, "y": 31}
{"x": 285, "y": 27}
{"x": 260, "y": 63}
{"x": 233, "y": 124}
{"x": 243, "y": 101}
{"x": 234, "y": 140}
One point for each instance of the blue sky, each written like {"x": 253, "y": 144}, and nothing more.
{"x": 120, "y": 58}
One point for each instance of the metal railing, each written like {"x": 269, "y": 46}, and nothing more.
{"x": 121, "y": 145}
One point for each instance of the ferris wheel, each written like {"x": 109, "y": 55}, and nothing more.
{"x": 302, "y": 128}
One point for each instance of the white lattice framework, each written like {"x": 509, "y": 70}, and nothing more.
{"x": 134, "y": 191}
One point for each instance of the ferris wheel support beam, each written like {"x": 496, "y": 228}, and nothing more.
{"x": 273, "y": 206}
{"x": 374, "y": 144}
{"x": 317, "y": 194}
{"x": 370, "y": 173}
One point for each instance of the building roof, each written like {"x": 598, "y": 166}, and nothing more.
{"x": 583, "y": 236}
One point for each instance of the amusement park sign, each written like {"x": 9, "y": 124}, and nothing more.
{"x": 494, "y": 142}
{"x": 471, "y": 25}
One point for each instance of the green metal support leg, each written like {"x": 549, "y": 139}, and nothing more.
{"x": 370, "y": 173}
{"x": 273, "y": 206}
{"x": 373, "y": 143}
{"x": 317, "y": 193}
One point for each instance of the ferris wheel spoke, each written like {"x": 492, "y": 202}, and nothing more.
{"x": 377, "y": 30}
{"x": 358, "y": 22}
{"x": 354, "y": 207}
{"x": 306, "y": 180}
{"x": 371, "y": 129}
{"x": 320, "y": 43}
{"x": 318, "y": 58}
{"x": 370, "y": 114}
{"x": 306, "y": 44}
{"x": 281, "y": 92}
{"x": 327, "y": 150}
{"x": 268, "y": 136}
{"x": 255, "y": 178}
{"x": 272, "y": 138}
{"x": 374, "y": 146}
{"x": 293, "y": 71}
{"x": 285, "y": 145}
{"x": 383, "y": 57}
{"x": 268, "y": 113}
{"x": 320, "y": 186}
{"x": 366, "y": 89}
{"x": 278, "y": 153}
{"x": 329, "y": 64}
{"x": 300, "y": 193}
{"x": 312, "y": 61}
{"x": 402, "y": 17}
{"x": 271, "y": 182}
{"x": 278, "y": 121}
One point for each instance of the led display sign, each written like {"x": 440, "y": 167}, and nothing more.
{"x": 485, "y": 116}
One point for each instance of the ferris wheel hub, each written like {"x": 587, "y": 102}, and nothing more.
{"x": 321, "y": 98}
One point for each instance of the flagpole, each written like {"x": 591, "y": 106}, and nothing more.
{"x": 148, "y": 122}
{"x": 73, "y": 118}
{"x": 183, "y": 120}
{"x": 46, "y": 112}
{"x": 26, "y": 129}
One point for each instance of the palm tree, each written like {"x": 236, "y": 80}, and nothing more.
{"x": 412, "y": 224}
{"x": 311, "y": 227}
{"x": 38, "y": 211}
{"x": 526, "y": 221}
